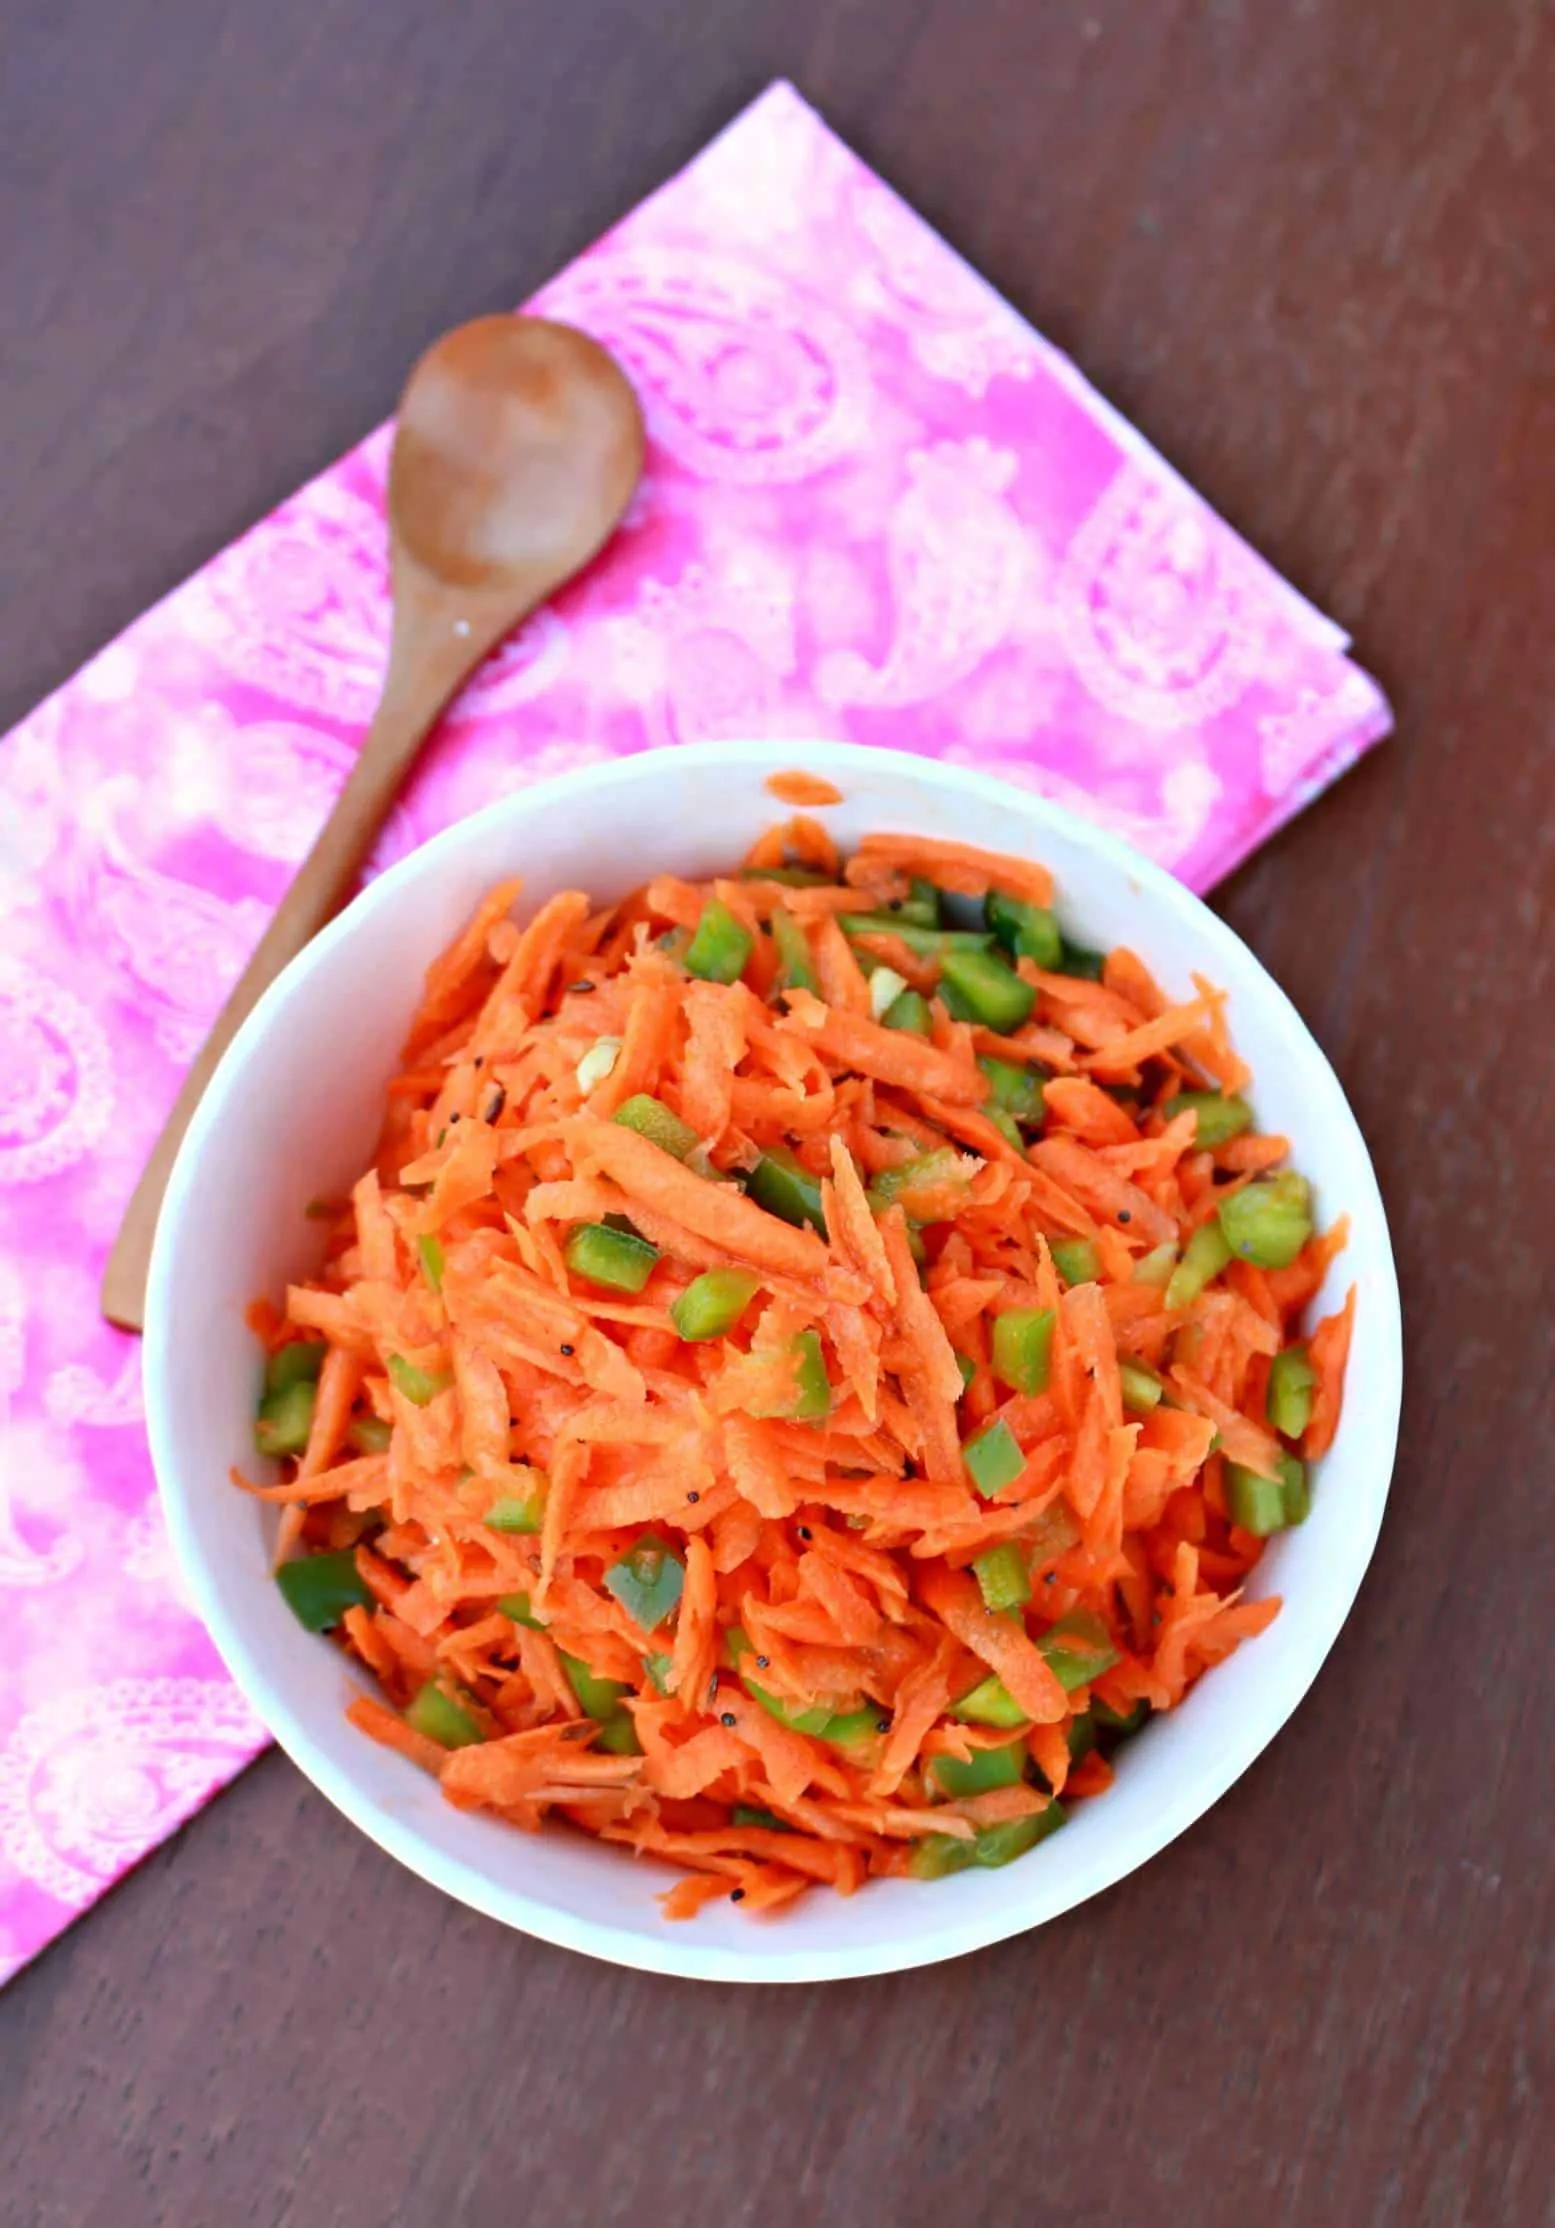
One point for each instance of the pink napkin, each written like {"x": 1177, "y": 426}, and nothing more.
{"x": 878, "y": 506}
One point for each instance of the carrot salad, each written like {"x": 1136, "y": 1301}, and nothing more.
{"x": 812, "y": 1366}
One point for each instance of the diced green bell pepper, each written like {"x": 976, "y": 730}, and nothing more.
{"x": 619, "y": 1260}
{"x": 796, "y": 965}
{"x": 647, "y": 1581}
{"x": 652, "y": 1119}
{"x": 925, "y": 1172}
{"x": 998, "y": 1845}
{"x": 439, "y": 1718}
{"x": 617, "y": 1736}
{"x": 984, "y": 1769}
{"x": 751, "y": 1814}
{"x": 1119, "y": 1723}
{"x": 1080, "y": 1735}
{"x": 1204, "y": 1256}
{"x": 993, "y": 1458}
{"x": 990, "y": 1702}
{"x": 1269, "y": 1221}
{"x": 1142, "y": 1388}
{"x": 1030, "y": 931}
{"x": 713, "y": 1303}
{"x": 1265, "y": 1505}
{"x": 597, "y": 1698}
{"x": 846, "y": 1728}
{"x": 1077, "y": 959}
{"x": 786, "y": 1189}
{"x": 910, "y": 1012}
{"x": 922, "y": 903}
{"x": 296, "y": 1363}
{"x": 814, "y": 1387}
{"x": 1023, "y": 1347}
{"x": 1078, "y": 1648}
{"x": 798, "y": 1721}
{"x": 369, "y": 1434}
{"x": 1002, "y": 1576}
{"x": 519, "y": 1512}
{"x": 940, "y": 1854}
{"x": 1288, "y": 1402}
{"x": 928, "y": 943}
{"x": 1257, "y": 1504}
{"x": 720, "y": 948}
{"x": 994, "y": 992}
{"x": 285, "y": 1418}
{"x": 419, "y": 1386}
{"x": 1076, "y": 1260}
{"x": 432, "y": 1264}
{"x": 811, "y": 1398}
{"x": 1156, "y": 1267}
{"x": 517, "y": 1606}
{"x": 1296, "y": 1479}
{"x": 319, "y": 1589}
{"x": 1017, "y": 1091}
{"x": 1220, "y": 1116}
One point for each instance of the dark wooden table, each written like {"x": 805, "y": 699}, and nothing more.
{"x": 1311, "y": 248}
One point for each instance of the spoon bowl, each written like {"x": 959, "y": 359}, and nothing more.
{"x": 518, "y": 447}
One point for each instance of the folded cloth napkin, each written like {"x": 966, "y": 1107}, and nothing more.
{"x": 878, "y": 506}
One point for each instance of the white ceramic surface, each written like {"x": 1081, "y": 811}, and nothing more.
{"x": 292, "y": 1113}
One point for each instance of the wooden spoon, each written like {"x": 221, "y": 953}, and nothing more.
{"x": 518, "y": 446}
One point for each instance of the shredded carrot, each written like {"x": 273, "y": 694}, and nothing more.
{"x": 715, "y": 1046}
{"x": 810, "y": 845}
{"x": 725, "y": 1216}
{"x": 1007, "y": 1649}
{"x": 382, "y": 1724}
{"x": 1250, "y": 1156}
{"x": 712, "y": 1597}
{"x": 1102, "y": 1190}
{"x": 1330, "y": 1352}
{"x": 339, "y": 1380}
{"x": 1050, "y": 1753}
{"x": 450, "y": 978}
{"x": 1084, "y": 1108}
{"x": 696, "y": 1629}
{"x": 1175, "y": 1026}
{"x": 843, "y": 985}
{"x": 799, "y": 788}
{"x": 960, "y": 866}
{"x": 889, "y": 1055}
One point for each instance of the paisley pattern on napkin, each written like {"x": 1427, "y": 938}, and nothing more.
{"x": 878, "y": 507}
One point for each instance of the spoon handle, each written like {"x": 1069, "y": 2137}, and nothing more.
{"x": 429, "y": 659}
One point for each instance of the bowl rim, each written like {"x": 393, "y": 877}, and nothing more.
{"x": 678, "y": 1953}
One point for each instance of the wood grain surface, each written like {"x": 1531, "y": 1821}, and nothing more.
{"x": 1310, "y": 246}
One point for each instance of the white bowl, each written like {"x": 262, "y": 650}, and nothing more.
{"x": 292, "y": 1113}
